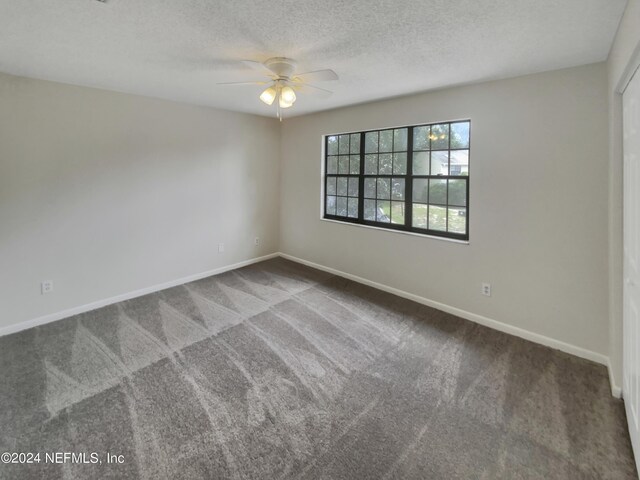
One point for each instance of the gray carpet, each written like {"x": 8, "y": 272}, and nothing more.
{"x": 279, "y": 371}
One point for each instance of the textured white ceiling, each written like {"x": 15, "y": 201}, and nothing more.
{"x": 180, "y": 49}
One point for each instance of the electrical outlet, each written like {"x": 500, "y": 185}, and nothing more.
{"x": 256, "y": 241}
{"x": 486, "y": 289}
{"x": 46, "y": 286}
{"x": 220, "y": 247}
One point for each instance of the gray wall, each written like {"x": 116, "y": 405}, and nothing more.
{"x": 106, "y": 193}
{"x": 538, "y": 216}
{"x": 627, "y": 41}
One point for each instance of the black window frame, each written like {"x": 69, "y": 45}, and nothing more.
{"x": 408, "y": 179}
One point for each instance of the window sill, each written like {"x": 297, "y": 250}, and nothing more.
{"x": 388, "y": 230}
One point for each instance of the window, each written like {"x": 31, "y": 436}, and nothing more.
{"x": 410, "y": 178}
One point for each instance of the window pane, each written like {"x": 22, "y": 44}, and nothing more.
{"x": 341, "y": 207}
{"x": 420, "y": 190}
{"x": 370, "y": 164}
{"x": 352, "y": 208}
{"x": 419, "y": 215}
{"x": 370, "y": 187}
{"x": 440, "y": 163}
{"x": 385, "y": 163}
{"x": 332, "y": 145}
{"x": 400, "y": 140}
{"x": 397, "y": 212}
{"x": 354, "y": 164}
{"x": 421, "y": 138}
{"x": 437, "y": 218}
{"x": 343, "y": 165}
{"x": 371, "y": 142}
{"x": 460, "y": 135}
{"x": 421, "y": 163}
{"x": 370, "y": 210}
{"x": 342, "y": 186}
{"x": 459, "y": 162}
{"x": 386, "y": 141}
{"x": 383, "y": 212}
{"x": 457, "y": 193}
{"x": 332, "y": 165}
{"x": 397, "y": 188}
{"x": 440, "y": 137}
{"x": 331, "y": 185}
{"x": 400, "y": 163}
{"x": 457, "y": 222}
{"x": 344, "y": 144}
{"x": 355, "y": 143}
{"x": 384, "y": 188}
{"x": 353, "y": 187}
{"x": 331, "y": 205}
{"x": 437, "y": 191}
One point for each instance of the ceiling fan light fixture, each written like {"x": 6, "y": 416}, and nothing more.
{"x": 288, "y": 95}
{"x": 283, "y": 103}
{"x": 268, "y": 96}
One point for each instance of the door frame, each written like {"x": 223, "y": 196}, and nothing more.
{"x": 615, "y": 254}
{"x": 617, "y": 280}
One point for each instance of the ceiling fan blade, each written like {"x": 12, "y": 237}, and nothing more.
{"x": 258, "y": 67}
{"x": 312, "y": 89}
{"x": 317, "y": 76}
{"x": 243, "y": 83}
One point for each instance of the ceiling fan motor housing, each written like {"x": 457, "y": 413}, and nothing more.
{"x": 281, "y": 66}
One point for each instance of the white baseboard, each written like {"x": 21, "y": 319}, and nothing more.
{"x": 616, "y": 390}
{"x": 487, "y": 322}
{"x": 52, "y": 317}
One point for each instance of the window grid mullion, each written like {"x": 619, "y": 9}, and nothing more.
{"x": 408, "y": 183}
{"x": 361, "y": 180}
{"x": 446, "y": 210}
{"x": 326, "y": 172}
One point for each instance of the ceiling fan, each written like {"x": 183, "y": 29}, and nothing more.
{"x": 283, "y": 83}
